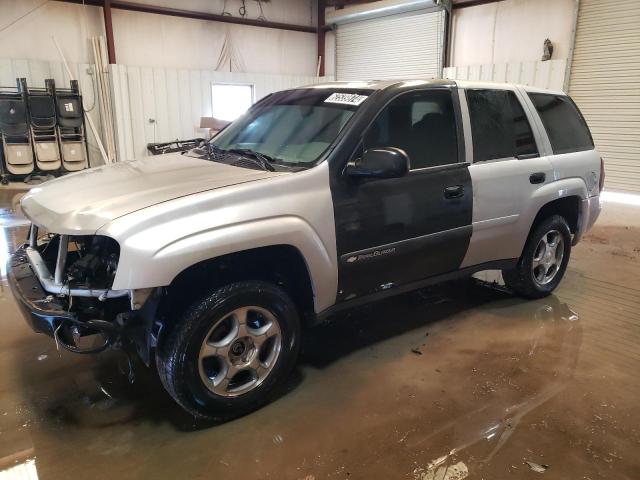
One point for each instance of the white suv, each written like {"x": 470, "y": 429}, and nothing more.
{"x": 317, "y": 199}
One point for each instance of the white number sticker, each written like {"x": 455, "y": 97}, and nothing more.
{"x": 346, "y": 98}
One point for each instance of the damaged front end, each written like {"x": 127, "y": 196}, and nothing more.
{"x": 76, "y": 304}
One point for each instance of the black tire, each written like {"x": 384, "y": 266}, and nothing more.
{"x": 177, "y": 358}
{"x": 521, "y": 278}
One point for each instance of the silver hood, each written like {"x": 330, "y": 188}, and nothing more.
{"x": 80, "y": 203}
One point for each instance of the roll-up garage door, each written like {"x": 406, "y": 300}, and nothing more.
{"x": 605, "y": 83}
{"x": 396, "y": 46}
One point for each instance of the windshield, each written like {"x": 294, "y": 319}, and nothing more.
{"x": 292, "y": 127}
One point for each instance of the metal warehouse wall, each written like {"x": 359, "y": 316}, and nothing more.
{"x": 175, "y": 99}
{"x": 549, "y": 74}
{"x": 158, "y": 40}
{"x": 605, "y": 83}
{"x": 395, "y": 46}
{"x": 503, "y": 42}
{"x": 510, "y": 31}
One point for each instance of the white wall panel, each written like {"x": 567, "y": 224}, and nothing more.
{"x": 549, "y": 74}
{"x": 510, "y": 31}
{"x": 175, "y": 100}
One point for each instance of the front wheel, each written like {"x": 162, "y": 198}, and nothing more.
{"x": 544, "y": 260}
{"x": 232, "y": 351}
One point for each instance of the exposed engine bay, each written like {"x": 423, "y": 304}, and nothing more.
{"x": 65, "y": 283}
{"x": 86, "y": 262}
{"x": 91, "y": 259}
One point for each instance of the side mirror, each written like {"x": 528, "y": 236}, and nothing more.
{"x": 387, "y": 162}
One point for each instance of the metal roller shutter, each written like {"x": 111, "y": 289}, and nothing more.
{"x": 605, "y": 83}
{"x": 396, "y": 46}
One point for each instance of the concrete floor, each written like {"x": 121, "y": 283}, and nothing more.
{"x": 459, "y": 381}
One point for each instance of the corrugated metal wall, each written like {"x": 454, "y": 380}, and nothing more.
{"x": 397, "y": 46}
{"x": 605, "y": 83}
{"x": 549, "y": 74}
{"x": 175, "y": 100}
{"x": 36, "y": 71}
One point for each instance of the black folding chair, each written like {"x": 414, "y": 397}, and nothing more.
{"x": 71, "y": 132}
{"x": 42, "y": 120}
{"x": 17, "y": 152}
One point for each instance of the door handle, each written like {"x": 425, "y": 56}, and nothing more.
{"x": 538, "y": 177}
{"x": 453, "y": 191}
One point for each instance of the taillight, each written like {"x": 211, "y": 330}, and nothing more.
{"x": 601, "y": 185}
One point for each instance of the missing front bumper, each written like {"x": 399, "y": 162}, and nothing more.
{"x": 42, "y": 311}
{"x": 48, "y": 314}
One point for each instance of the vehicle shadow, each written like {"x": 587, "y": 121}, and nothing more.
{"x": 369, "y": 324}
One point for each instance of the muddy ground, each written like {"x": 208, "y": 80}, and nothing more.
{"x": 458, "y": 381}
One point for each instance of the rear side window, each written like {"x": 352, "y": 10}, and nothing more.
{"x": 567, "y": 130}
{"x": 499, "y": 126}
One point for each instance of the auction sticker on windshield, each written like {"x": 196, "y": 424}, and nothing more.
{"x": 346, "y": 98}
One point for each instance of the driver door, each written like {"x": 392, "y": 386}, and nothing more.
{"x": 392, "y": 232}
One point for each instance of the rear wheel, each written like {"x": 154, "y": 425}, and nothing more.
{"x": 231, "y": 352}
{"x": 544, "y": 259}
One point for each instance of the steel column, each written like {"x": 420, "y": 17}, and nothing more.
{"x": 108, "y": 28}
{"x": 321, "y": 38}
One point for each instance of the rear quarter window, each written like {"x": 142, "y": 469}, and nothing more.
{"x": 565, "y": 126}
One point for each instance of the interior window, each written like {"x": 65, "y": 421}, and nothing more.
{"x": 499, "y": 126}
{"x": 420, "y": 123}
{"x": 228, "y": 101}
{"x": 567, "y": 130}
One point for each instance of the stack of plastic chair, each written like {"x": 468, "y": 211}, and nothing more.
{"x": 71, "y": 132}
{"x": 42, "y": 120}
{"x": 16, "y": 136}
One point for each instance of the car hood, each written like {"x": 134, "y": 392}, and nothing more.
{"x": 80, "y": 203}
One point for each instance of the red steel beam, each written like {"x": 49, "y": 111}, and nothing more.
{"x": 108, "y": 28}
{"x": 457, "y": 4}
{"x": 177, "y": 12}
{"x": 321, "y": 37}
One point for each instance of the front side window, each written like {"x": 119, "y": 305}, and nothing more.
{"x": 499, "y": 126}
{"x": 567, "y": 130}
{"x": 420, "y": 123}
{"x": 292, "y": 127}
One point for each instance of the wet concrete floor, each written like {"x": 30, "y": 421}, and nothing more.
{"x": 458, "y": 381}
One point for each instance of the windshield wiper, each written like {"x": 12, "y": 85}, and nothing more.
{"x": 264, "y": 160}
{"x": 213, "y": 148}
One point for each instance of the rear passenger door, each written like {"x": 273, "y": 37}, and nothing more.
{"x": 574, "y": 155}
{"x": 506, "y": 170}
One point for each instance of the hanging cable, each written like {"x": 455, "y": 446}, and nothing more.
{"x": 261, "y": 17}
{"x": 243, "y": 9}
{"x": 224, "y": 10}
{"x": 10, "y": 24}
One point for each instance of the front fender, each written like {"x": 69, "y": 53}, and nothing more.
{"x": 144, "y": 262}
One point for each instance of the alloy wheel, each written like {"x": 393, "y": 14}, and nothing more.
{"x": 240, "y": 351}
{"x": 547, "y": 257}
